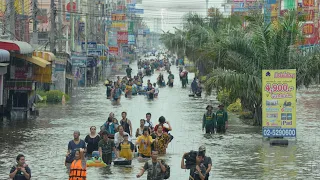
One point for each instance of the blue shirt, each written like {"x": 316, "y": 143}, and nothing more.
{"x": 72, "y": 147}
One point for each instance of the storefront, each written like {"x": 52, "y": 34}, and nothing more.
{"x": 18, "y": 83}
{"x": 4, "y": 62}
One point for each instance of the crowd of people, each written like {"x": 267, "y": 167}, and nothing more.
{"x": 130, "y": 87}
{"x": 116, "y": 137}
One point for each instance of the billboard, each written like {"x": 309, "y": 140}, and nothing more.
{"x": 279, "y": 103}
{"x": 122, "y": 37}
{"x": 131, "y": 39}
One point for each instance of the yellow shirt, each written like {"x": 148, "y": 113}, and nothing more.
{"x": 126, "y": 150}
{"x": 129, "y": 88}
{"x": 144, "y": 145}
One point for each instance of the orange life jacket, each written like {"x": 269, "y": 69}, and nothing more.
{"x": 76, "y": 171}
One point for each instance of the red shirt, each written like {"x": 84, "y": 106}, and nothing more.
{"x": 165, "y": 129}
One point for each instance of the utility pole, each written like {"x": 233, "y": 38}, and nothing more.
{"x": 72, "y": 25}
{"x": 207, "y": 6}
{"x": 60, "y": 26}
{"x": 86, "y": 48}
{"x": 34, "y": 24}
{"x": 53, "y": 26}
{"x": 23, "y": 23}
{"x": 12, "y": 18}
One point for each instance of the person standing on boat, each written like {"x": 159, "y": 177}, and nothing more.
{"x": 209, "y": 120}
{"x": 222, "y": 119}
{"x": 92, "y": 140}
{"x": 126, "y": 123}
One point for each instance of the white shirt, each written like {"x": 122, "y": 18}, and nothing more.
{"x": 156, "y": 90}
{"x": 118, "y": 138}
{"x": 147, "y": 123}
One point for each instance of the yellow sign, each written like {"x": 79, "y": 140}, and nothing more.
{"x": 19, "y": 6}
{"x": 118, "y": 25}
{"x": 43, "y": 75}
{"x": 279, "y": 103}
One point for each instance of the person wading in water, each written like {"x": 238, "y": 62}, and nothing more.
{"x": 78, "y": 168}
{"x": 126, "y": 123}
{"x": 222, "y": 119}
{"x": 209, "y": 120}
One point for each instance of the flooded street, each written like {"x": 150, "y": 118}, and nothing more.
{"x": 240, "y": 154}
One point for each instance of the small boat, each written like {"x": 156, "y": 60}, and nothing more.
{"x": 121, "y": 162}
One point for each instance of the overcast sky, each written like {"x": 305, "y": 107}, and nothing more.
{"x": 172, "y": 11}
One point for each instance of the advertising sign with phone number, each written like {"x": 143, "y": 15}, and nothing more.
{"x": 279, "y": 103}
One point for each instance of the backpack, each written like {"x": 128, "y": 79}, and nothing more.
{"x": 166, "y": 175}
{"x": 190, "y": 159}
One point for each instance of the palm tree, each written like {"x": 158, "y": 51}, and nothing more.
{"x": 244, "y": 53}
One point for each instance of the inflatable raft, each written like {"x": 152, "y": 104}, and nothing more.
{"x": 95, "y": 161}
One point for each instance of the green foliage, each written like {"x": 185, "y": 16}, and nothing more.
{"x": 235, "y": 107}
{"x": 224, "y": 97}
{"x": 234, "y": 56}
{"x": 41, "y": 93}
{"x": 55, "y": 96}
{"x": 246, "y": 115}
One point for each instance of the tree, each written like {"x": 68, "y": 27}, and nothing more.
{"x": 246, "y": 52}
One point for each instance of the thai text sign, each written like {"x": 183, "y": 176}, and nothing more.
{"x": 308, "y": 3}
{"x": 118, "y": 25}
{"x": 118, "y": 17}
{"x": 308, "y": 29}
{"x": 113, "y": 50}
{"x": 122, "y": 37}
{"x": 279, "y": 103}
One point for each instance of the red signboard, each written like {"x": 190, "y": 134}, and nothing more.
{"x": 19, "y": 85}
{"x": 74, "y": 7}
{"x": 122, "y": 37}
{"x": 24, "y": 72}
{"x": 118, "y": 17}
{"x": 308, "y": 29}
{"x": 308, "y": 3}
{"x": 113, "y": 50}
{"x": 309, "y": 15}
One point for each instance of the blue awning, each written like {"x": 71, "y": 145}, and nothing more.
{"x": 4, "y": 55}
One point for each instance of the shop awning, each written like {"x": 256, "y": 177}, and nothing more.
{"x": 4, "y": 64}
{"x": 48, "y": 56}
{"x": 19, "y": 46}
{"x": 35, "y": 60}
{"x": 4, "y": 55}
